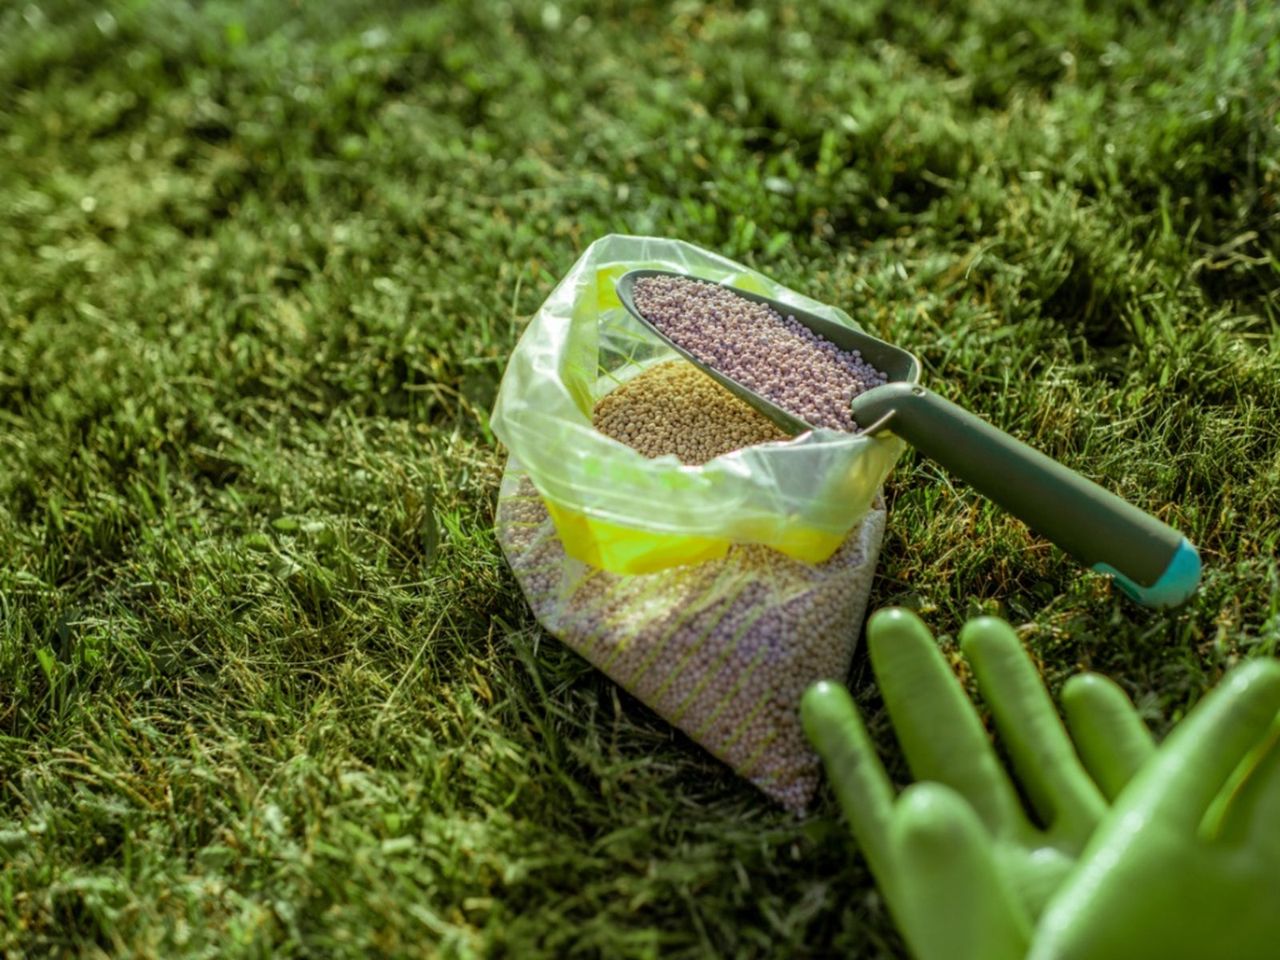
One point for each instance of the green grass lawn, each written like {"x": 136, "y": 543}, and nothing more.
{"x": 266, "y": 685}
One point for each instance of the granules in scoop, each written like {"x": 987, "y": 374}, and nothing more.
{"x": 770, "y": 354}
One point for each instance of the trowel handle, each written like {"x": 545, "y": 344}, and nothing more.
{"x": 1150, "y": 561}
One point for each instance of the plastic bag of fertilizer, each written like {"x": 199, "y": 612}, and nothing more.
{"x": 669, "y": 534}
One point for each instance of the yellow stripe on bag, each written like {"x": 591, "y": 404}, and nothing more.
{"x": 626, "y": 550}
{"x": 619, "y": 549}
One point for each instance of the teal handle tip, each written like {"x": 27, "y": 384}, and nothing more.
{"x": 1174, "y": 586}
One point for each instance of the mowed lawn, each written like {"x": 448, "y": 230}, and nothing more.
{"x": 266, "y": 685}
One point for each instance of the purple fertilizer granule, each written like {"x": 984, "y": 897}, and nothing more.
{"x": 775, "y": 356}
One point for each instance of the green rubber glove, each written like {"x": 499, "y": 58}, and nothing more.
{"x": 1184, "y": 864}
{"x": 1187, "y": 863}
{"x": 963, "y": 868}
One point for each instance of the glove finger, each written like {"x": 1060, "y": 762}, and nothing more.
{"x": 1247, "y": 812}
{"x": 1043, "y": 758}
{"x": 1109, "y": 735}
{"x": 956, "y": 902}
{"x": 935, "y": 723}
{"x": 1193, "y": 764}
{"x": 833, "y": 726}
